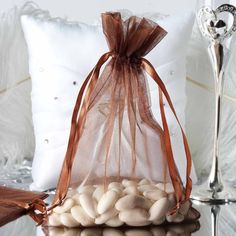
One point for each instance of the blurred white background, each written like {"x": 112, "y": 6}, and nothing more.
{"x": 88, "y": 10}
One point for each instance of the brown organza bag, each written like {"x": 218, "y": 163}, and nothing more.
{"x": 15, "y": 202}
{"x": 119, "y": 166}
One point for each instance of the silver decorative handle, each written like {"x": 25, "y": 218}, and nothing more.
{"x": 212, "y": 27}
{"x": 216, "y": 51}
{"x": 216, "y": 31}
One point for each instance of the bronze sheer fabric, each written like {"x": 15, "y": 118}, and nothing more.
{"x": 15, "y": 203}
{"x": 113, "y": 132}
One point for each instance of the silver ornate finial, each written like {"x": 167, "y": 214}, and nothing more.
{"x": 214, "y": 28}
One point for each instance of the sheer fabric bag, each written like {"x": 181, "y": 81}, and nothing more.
{"x": 127, "y": 172}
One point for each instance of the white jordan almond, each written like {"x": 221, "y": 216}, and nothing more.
{"x": 127, "y": 183}
{"x": 107, "y": 201}
{"x": 80, "y": 215}
{"x": 68, "y": 221}
{"x": 106, "y": 216}
{"x": 118, "y": 190}
{"x": 159, "y": 221}
{"x": 154, "y": 195}
{"x": 169, "y": 217}
{"x": 192, "y": 214}
{"x": 145, "y": 188}
{"x": 114, "y": 222}
{"x": 98, "y": 192}
{"x": 175, "y": 218}
{"x": 65, "y": 207}
{"x": 115, "y": 185}
{"x": 132, "y": 201}
{"x": 159, "y": 209}
{"x": 167, "y": 187}
{"x": 54, "y": 220}
{"x": 71, "y": 193}
{"x": 86, "y": 189}
{"x": 131, "y": 190}
{"x": 87, "y": 203}
{"x": 184, "y": 208}
{"x": 95, "y": 204}
{"x": 134, "y": 215}
{"x": 138, "y": 224}
{"x": 144, "y": 182}
{"x": 76, "y": 199}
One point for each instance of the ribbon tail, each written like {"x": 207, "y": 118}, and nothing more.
{"x": 78, "y": 118}
{"x": 175, "y": 178}
{"x": 151, "y": 71}
{"x": 38, "y": 205}
{"x": 38, "y": 218}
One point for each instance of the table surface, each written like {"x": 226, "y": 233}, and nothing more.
{"x": 226, "y": 225}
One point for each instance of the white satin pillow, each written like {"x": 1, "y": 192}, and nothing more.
{"x": 61, "y": 54}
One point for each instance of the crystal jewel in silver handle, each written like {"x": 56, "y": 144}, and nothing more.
{"x": 217, "y": 31}
{"x": 214, "y": 28}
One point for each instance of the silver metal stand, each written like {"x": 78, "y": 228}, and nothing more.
{"x": 216, "y": 31}
{"x": 215, "y": 211}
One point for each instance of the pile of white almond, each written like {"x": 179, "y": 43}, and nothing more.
{"x": 128, "y": 202}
